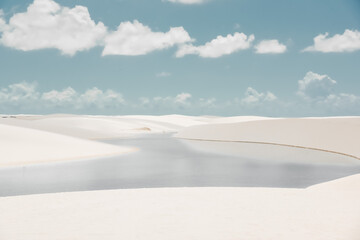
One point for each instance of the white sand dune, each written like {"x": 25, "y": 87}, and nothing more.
{"x": 338, "y": 135}
{"x": 24, "y": 146}
{"x": 238, "y": 119}
{"x": 329, "y": 134}
{"x": 40, "y": 138}
{"x": 102, "y": 127}
{"x": 326, "y": 211}
{"x": 105, "y": 127}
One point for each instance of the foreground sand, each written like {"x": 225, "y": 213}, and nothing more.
{"x": 326, "y": 211}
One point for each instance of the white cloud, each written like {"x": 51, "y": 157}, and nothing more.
{"x": 218, "y": 47}
{"x": 66, "y": 96}
{"x": 133, "y": 38}
{"x": 163, "y": 74}
{"x": 19, "y": 93}
{"x": 342, "y": 99}
{"x": 317, "y": 98}
{"x": 182, "y": 103}
{"x": 270, "y": 46}
{"x": 349, "y": 41}
{"x": 319, "y": 93}
{"x": 335, "y": 104}
{"x": 186, "y": 1}
{"x": 253, "y": 97}
{"x": 46, "y": 24}
{"x": 314, "y": 85}
{"x": 26, "y": 96}
{"x": 182, "y": 98}
{"x": 100, "y": 99}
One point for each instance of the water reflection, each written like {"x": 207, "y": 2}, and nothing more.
{"x": 164, "y": 162}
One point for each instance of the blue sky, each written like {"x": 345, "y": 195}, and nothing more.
{"x": 214, "y": 57}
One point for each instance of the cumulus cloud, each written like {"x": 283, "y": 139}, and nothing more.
{"x": 342, "y": 99}
{"x": 66, "y": 96}
{"x": 253, "y": 97}
{"x": 314, "y": 85}
{"x": 317, "y": 97}
{"x": 101, "y": 99}
{"x": 46, "y": 24}
{"x": 182, "y": 98}
{"x": 185, "y": 1}
{"x": 19, "y": 93}
{"x": 218, "y": 47}
{"x": 93, "y": 97}
{"x": 321, "y": 97}
{"x": 270, "y": 47}
{"x": 134, "y": 38}
{"x": 183, "y": 103}
{"x": 27, "y": 97}
{"x": 349, "y": 41}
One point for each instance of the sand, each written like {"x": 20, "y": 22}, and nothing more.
{"x": 327, "y": 211}
{"x": 336, "y": 135}
{"x": 110, "y": 127}
{"x": 103, "y": 127}
{"x": 28, "y": 139}
{"x": 21, "y": 146}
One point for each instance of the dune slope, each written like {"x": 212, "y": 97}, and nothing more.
{"x": 339, "y": 135}
{"x": 327, "y": 211}
{"x": 23, "y": 146}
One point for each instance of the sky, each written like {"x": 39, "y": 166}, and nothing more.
{"x": 283, "y": 58}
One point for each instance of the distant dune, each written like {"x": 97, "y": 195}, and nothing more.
{"x": 29, "y": 139}
{"x": 336, "y": 135}
{"x": 39, "y": 138}
{"x": 103, "y": 127}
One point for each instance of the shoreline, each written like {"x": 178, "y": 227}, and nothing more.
{"x": 269, "y": 143}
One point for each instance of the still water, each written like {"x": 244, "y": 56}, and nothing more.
{"x": 164, "y": 161}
